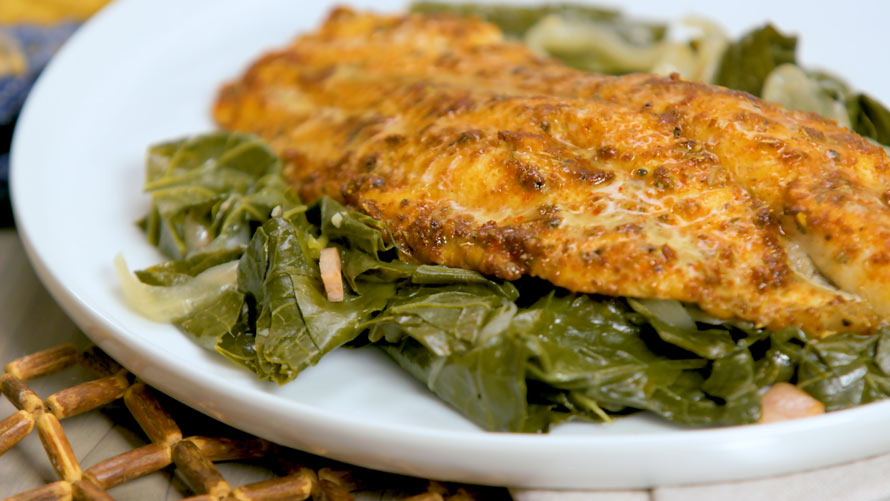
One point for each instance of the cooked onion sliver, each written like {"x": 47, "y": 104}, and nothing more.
{"x": 163, "y": 304}
{"x": 330, "y": 274}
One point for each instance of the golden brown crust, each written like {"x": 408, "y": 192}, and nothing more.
{"x": 477, "y": 153}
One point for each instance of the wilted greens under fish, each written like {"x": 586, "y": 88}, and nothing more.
{"x": 514, "y": 356}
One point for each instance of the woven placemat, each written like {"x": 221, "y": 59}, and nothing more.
{"x": 298, "y": 475}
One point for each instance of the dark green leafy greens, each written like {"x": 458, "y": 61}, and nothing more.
{"x": 514, "y": 357}
{"x": 846, "y": 369}
{"x": 868, "y": 117}
{"x": 209, "y": 192}
{"x": 747, "y": 62}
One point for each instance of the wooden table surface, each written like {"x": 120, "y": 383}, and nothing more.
{"x": 31, "y": 321}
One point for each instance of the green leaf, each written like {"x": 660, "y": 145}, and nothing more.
{"x": 675, "y": 326}
{"x": 238, "y": 344}
{"x": 778, "y": 365}
{"x": 282, "y": 345}
{"x": 595, "y": 348}
{"x": 443, "y": 275}
{"x": 485, "y": 383}
{"x": 214, "y": 319}
{"x": 844, "y": 370}
{"x": 732, "y": 376}
{"x": 748, "y": 61}
{"x": 869, "y": 117}
{"x": 176, "y": 272}
{"x": 361, "y": 232}
{"x": 361, "y": 270}
{"x": 209, "y": 192}
{"x": 296, "y": 324}
{"x": 684, "y": 402}
{"x": 445, "y": 319}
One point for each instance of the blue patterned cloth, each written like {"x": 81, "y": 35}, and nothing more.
{"x": 24, "y": 51}
{"x": 29, "y": 44}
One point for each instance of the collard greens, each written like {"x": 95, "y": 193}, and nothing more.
{"x": 509, "y": 356}
{"x": 748, "y": 63}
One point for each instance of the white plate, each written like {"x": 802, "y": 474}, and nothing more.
{"x": 145, "y": 71}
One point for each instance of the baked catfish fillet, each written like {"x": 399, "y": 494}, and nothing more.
{"x": 479, "y": 154}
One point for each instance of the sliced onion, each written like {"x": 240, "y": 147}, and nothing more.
{"x": 163, "y": 304}
{"x": 791, "y": 87}
{"x": 668, "y": 311}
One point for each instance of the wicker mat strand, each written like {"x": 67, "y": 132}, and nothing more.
{"x": 299, "y": 475}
